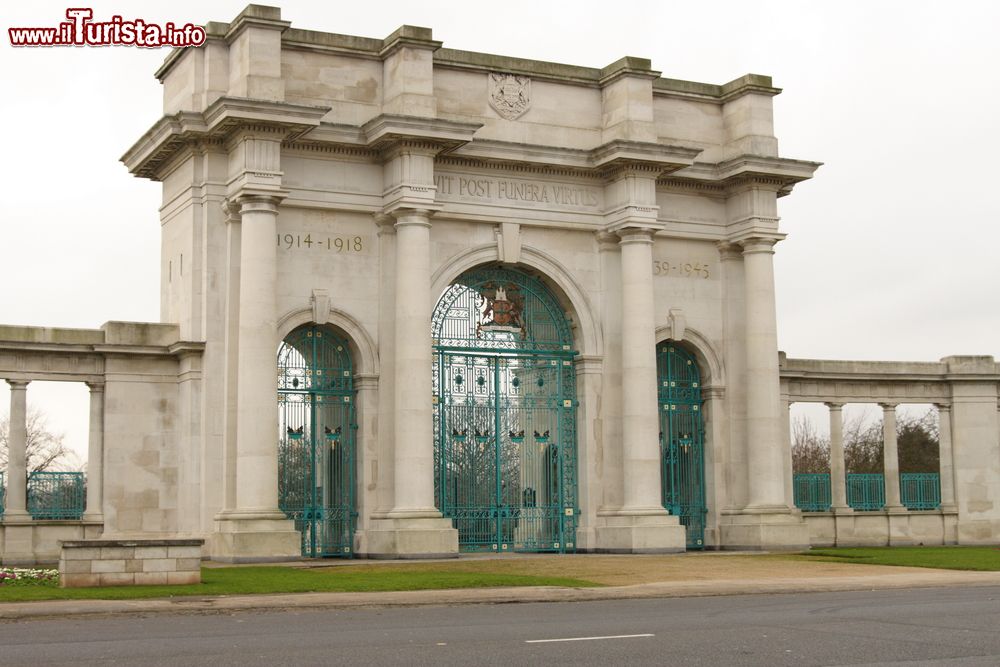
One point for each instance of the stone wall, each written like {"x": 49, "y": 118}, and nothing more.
{"x": 86, "y": 563}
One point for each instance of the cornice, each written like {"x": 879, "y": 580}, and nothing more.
{"x": 431, "y": 134}
{"x": 655, "y": 158}
{"x": 170, "y": 134}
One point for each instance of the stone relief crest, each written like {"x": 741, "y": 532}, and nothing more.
{"x": 510, "y": 95}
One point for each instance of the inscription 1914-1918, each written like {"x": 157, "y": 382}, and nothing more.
{"x": 515, "y": 190}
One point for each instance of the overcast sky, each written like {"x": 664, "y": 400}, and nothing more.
{"x": 891, "y": 249}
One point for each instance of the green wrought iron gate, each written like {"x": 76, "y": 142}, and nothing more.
{"x": 316, "y": 440}
{"x": 682, "y": 440}
{"x": 505, "y": 414}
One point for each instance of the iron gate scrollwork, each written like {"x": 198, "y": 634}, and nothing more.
{"x": 316, "y": 440}
{"x": 682, "y": 435}
{"x": 505, "y": 414}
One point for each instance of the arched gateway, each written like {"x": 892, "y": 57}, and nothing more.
{"x": 682, "y": 435}
{"x": 505, "y": 414}
{"x": 316, "y": 436}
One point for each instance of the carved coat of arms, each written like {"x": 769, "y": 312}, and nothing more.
{"x": 502, "y": 309}
{"x": 510, "y": 95}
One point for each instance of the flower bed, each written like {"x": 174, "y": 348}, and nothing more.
{"x": 21, "y": 576}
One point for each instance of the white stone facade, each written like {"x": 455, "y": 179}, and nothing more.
{"x": 345, "y": 181}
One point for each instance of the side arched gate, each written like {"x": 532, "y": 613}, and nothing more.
{"x": 505, "y": 414}
{"x": 682, "y": 435}
{"x": 316, "y": 436}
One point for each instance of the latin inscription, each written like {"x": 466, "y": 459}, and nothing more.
{"x": 515, "y": 190}
{"x": 682, "y": 270}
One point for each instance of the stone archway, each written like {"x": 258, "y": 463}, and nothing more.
{"x": 505, "y": 413}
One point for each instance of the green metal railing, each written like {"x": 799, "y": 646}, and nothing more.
{"x": 3, "y": 490}
{"x": 56, "y": 495}
{"x": 920, "y": 490}
{"x": 865, "y": 492}
{"x": 812, "y": 491}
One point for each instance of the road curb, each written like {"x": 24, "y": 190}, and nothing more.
{"x": 15, "y": 611}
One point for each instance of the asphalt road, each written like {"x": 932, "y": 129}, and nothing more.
{"x": 940, "y": 626}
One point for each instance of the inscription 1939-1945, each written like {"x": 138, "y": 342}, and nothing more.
{"x": 515, "y": 190}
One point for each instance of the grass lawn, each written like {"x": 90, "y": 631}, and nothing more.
{"x": 257, "y": 580}
{"x": 946, "y": 558}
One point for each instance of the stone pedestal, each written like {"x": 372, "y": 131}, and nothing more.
{"x": 655, "y": 532}
{"x": 249, "y": 538}
{"x": 416, "y": 537}
{"x": 762, "y": 530}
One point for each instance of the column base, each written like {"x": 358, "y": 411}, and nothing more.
{"x": 763, "y": 529}
{"x": 412, "y": 538}
{"x": 645, "y": 531}
{"x": 254, "y": 538}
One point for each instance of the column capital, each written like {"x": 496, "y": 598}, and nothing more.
{"x": 18, "y": 384}
{"x": 254, "y": 202}
{"x": 95, "y": 387}
{"x": 729, "y": 251}
{"x": 758, "y": 245}
{"x": 606, "y": 241}
{"x": 635, "y": 235}
{"x": 386, "y": 223}
{"x": 888, "y": 407}
{"x": 834, "y": 405}
{"x": 411, "y": 216}
{"x": 943, "y": 407}
{"x": 231, "y": 209}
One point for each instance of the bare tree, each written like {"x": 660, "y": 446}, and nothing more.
{"x": 45, "y": 449}
{"x": 916, "y": 442}
{"x": 810, "y": 450}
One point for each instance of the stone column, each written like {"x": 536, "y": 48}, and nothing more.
{"x": 414, "y": 456}
{"x": 766, "y": 488}
{"x": 890, "y": 467}
{"x": 838, "y": 477}
{"x": 257, "y": 408}
{"x": 15, "y": 502}
{"x": 255, "y": 529}
{"x": 640, "y": 441}
{"x": 95, "y": 455}
{"x": 641, "y": 524}
{"x": 413, "y": 527}
{"x": 946, "y": 461}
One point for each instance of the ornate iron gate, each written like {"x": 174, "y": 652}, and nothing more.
{"x": 505, "y": 414}
{"x": 316, "y": 440}
{"x": 681, "y": 440}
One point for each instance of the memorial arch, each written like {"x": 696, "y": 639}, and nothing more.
{"x": 601, "y": 366}
{"x": 505, "y": 413}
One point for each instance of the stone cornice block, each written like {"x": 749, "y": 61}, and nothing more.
{"x": 762, "y": 170}
{"x": 628, "y": 66}
{"x": 658, "y": 158}
{"x": 438, "y": 135}
{"x": 408, "y": 36}
{"x": 746, "y": 85}
{"x": 261, "y": 16}
{"x": 171, "y": 134}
